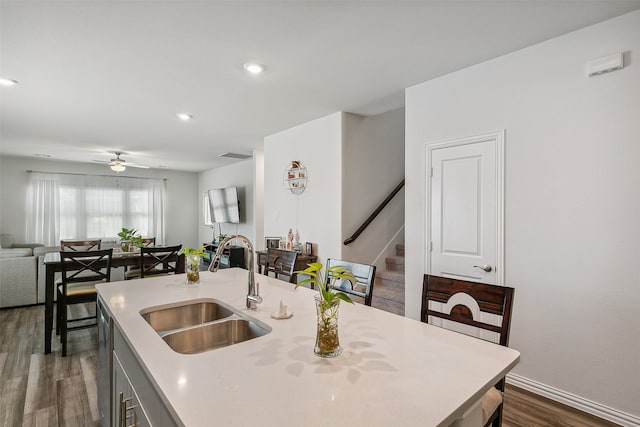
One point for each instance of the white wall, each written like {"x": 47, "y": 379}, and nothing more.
{"x": 240, "y": 175}
{"x": 181, "y": 213}
{"x": 258, "y": 198}
{"x": 373, "y": 165}
{"x": 318, "y": 145}
{"x": 572, "y": 202}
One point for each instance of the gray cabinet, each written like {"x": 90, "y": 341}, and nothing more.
{"x": 127, "y": 411}
{"x": 126, "y": 395}
{"x": 144, "y": 392}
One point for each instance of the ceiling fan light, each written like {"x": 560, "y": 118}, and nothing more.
{"x": 118, "y": 167}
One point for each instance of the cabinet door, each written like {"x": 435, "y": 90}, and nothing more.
{"x": 127, "y": 411}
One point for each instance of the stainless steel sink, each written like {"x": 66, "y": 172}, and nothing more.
{"x": 214, "y": 335}
{"x": 187, "y": 314}
{"x": 196, "y": 326}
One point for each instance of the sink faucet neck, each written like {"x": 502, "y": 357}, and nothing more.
{"x": 253, "y": 293}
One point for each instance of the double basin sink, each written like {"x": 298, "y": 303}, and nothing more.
{"x": 196, "y": 326}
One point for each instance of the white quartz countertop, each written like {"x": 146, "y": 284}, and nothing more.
{"x": 392, "y": 371}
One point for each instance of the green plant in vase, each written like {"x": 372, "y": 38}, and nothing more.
{"x": 327, "y": 304}
{"x": 192, "y": 261}
{"x": 127, "y": 237}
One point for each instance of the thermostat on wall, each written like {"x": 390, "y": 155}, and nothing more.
{"x": 605, "y": 64}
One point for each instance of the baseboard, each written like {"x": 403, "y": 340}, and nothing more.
{"x": 577, "y": 402}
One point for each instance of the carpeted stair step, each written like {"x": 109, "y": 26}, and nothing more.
{"x": 392, "y": 279}
{"x": 388, "y": 292}
{"x": 394, "y": 263}
{"x": 386, "y": 304}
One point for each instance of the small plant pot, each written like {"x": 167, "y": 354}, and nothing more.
{"x": 192, "y": 264}
{"x": 125, "y": 245}
{"x": 327, "y": 342}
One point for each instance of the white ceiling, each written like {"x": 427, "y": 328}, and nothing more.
{"x": 101, "y": 76}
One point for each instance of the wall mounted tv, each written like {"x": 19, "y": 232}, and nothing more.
{"x": 224, "y": 205}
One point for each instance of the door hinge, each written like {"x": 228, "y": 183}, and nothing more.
{"x": 431, "y": 173}
{"x": 430, "y": 246}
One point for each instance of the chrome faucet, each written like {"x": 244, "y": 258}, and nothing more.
{"x": 253, "y": 292}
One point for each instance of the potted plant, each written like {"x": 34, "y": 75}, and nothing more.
{"x": 127, "y": 237}
{"x": 192, "y": 263}
{"x": 327, "y": 305}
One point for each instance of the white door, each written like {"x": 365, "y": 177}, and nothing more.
{"x": 465, "y": 229}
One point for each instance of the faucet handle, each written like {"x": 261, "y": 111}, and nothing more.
{"x": 256, "y": 298}
{"x": 257, "y": 295}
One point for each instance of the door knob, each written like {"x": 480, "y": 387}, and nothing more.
{"x": 485, "y": 267}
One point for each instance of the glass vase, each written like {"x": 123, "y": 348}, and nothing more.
{"x": 192, "y": 264}
{"x": 327, "y": 342}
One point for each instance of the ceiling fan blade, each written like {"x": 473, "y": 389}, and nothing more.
{"x": 119, "y": 161}
{"x": 135, "y": 165}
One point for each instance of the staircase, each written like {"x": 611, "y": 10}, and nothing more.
{"x": 388, "y": 289}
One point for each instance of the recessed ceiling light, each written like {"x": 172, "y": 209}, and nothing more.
{"x": 254, "y": 68}
{"x": 7, "y": 82}
{"x": 184, "y": 116}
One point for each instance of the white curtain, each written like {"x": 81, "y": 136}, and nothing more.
{"x": 66, "y": 206}
{"x": 43, "y": 209}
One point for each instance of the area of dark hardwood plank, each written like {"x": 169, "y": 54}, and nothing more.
{"x": 38, "y": 389}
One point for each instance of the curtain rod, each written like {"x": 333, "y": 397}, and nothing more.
{"x": 86, "y": 174}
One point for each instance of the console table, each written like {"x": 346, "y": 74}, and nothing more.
{"x": 302, "y": 261}
{"x": 231, "y": 256}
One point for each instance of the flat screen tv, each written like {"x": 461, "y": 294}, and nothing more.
{"x": 224, "y": 205}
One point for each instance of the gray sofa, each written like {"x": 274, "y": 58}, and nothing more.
{"x": 19, "y": 276}
{"x": 23, "y": 273}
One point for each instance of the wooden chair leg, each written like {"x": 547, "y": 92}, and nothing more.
{"x": 63, "y": 328}
{"x": 58, "y": 314}
{"x": 498, "y": 421}
{"x": 57, "y": 317}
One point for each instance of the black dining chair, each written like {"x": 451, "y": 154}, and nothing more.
{"x": 281, "y": 263}
{"x": 81, "y": 271}
{"x": 493, "y": 299}
{"x": 365, "y": 275}
{"x": 148, "y": 241}
{"x": 155, "y": 261}
{"x": 80, "y": 245}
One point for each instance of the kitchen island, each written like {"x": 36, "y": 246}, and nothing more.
{"x": 392, "y": 371}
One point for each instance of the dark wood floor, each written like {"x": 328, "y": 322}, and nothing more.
{"x": 49, "y": 390}
{"x": 45, "y": 390}
{"x": 525, "y": 409}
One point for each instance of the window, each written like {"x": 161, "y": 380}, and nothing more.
{"x": 64, "y": 206}
{"x": 206, "y": 210}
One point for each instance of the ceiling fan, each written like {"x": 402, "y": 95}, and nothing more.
{"x": 119, "y": 165}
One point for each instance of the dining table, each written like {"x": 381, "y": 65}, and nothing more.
{"x": 53, "y": 265}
